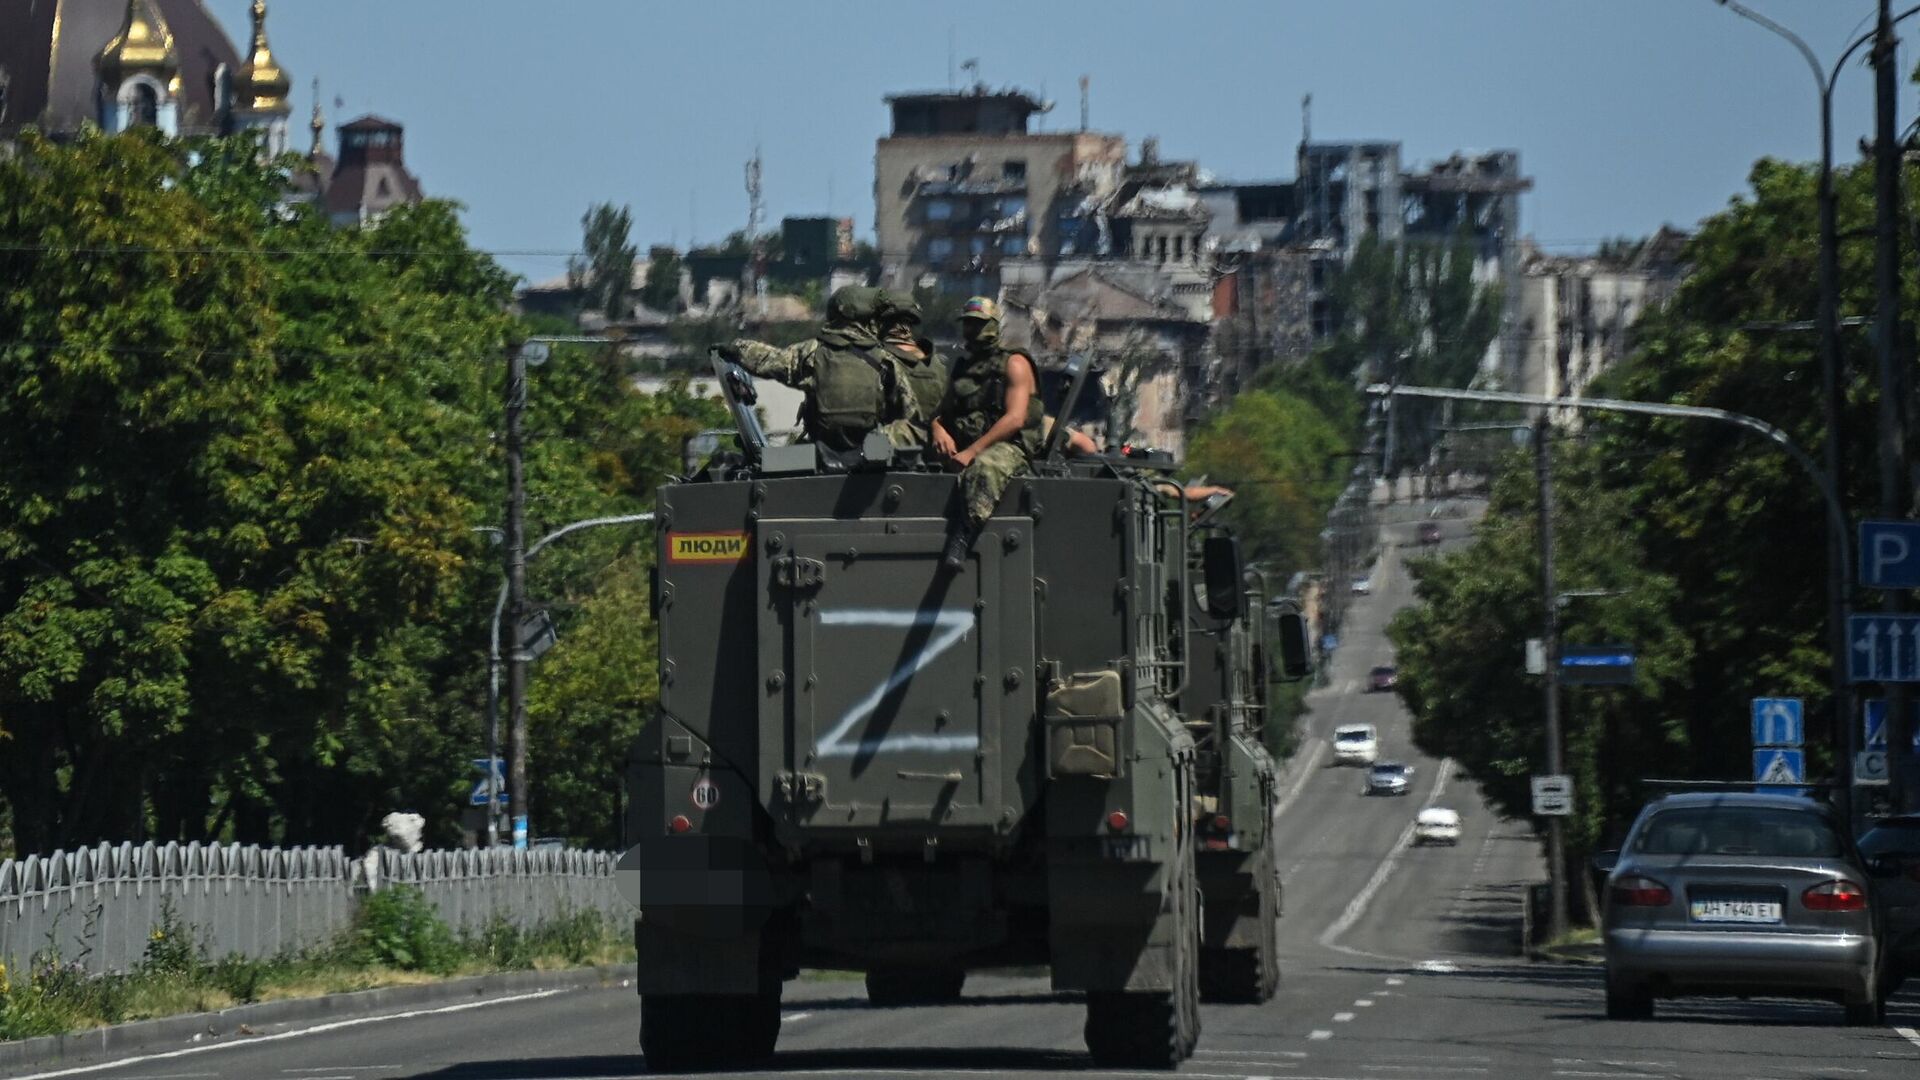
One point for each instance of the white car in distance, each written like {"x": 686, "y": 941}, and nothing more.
{"x": 1355, "y": 744}
{"x": 1437, "y": 825}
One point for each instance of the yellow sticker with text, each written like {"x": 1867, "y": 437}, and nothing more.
{"x": 715, "y": 547}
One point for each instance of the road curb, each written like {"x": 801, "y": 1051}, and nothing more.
{"x": 174, "y": 1031}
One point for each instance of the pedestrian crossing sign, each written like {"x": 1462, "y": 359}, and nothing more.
{"x": 1777, "y": 768}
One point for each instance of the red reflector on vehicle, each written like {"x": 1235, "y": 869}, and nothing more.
{"x": 1835, "y": 896}
{"x": 679, "y": 824}
{"x": 1117, "y": 821}
{"x": 1636, "y": 891}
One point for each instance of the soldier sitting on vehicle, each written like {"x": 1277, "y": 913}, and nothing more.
{"x": 989, "y": 422}
{"x": 852, "y": 387}
{"x": 922, "y": 369}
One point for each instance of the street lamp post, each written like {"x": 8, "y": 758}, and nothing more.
{"x": 1829, "y": 491}
{"x": 493, "y": 668}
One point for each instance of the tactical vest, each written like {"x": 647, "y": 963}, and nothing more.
{"x": 977, "y": 398}
{"x": 853, "y": 391}
{"x": 926, "y": 378}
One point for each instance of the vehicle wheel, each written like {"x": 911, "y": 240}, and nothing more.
{"x": 692, "y": 1032}
{"x": 890, "y": 988}
{"x": 1248, "y": 976}
{"x": 1154, "y": 1029}
{"x": 1869, "y": 1013}
{"x": 1628, "y": 1003}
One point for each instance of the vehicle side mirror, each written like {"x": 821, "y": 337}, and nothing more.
{"x": 1296, "y": 661}
{"x": 1223, "y": 569}
{"x": 1603, "y": 862}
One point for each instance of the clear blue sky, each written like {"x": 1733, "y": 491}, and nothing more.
{"x": 1628, "y": 113}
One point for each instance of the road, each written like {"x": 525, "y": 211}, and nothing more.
{"x": 1399, "y": 962}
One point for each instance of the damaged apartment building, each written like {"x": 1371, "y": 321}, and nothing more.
{"x": 1183, "y": 285}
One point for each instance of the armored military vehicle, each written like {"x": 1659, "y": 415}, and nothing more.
{"x": 863, "y": 762}
{"x": 1235, "y": 653}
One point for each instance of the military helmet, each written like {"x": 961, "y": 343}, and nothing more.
{"x": 981, "y": 307}
{"x": 853, "y": 303}
{"x": 899, "y": 305}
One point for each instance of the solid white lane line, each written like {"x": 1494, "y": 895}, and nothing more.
{"x": 1252, "y": 1053}
{"x": 1320, "y": 1034}
{"x": 1423, "y": 1069}
{"x": 1358, "y": 906}
{"x": 1341, "y": 1018}
{"x": 256, "y": 1040}
{"x": 1911, "y": 1035}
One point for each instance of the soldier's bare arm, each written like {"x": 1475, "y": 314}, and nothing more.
{"x": 1020, "y": 390}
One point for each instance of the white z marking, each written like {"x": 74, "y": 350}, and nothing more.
{"x": 954, "y": 625}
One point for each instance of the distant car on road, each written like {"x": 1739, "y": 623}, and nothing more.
{"x": 1381, "y": 678}
{"x": 1437, "y": 825}
{"x": 1428, "y": 532}
{"x": 1363, "y": 584}
{"x": 1389, "y": 778}
{"x": 1741, "y": 894}
{"x": 1896, "y": 841}
{"x": 1355, "y": 744}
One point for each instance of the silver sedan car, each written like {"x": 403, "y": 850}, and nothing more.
{"x": 1742, "y": 894}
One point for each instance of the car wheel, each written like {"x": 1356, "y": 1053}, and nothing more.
{"x": 1869, "y": 1013}
{"x": 1625, "y": 1002}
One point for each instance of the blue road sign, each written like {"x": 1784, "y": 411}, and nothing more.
{"x": 1883, "y": 648}
{"x": 1596, "y": 664}
{"x": 1875, "y": 717}
{"x": 1777, "y": 768}
{"x": 478, "y": 796}
{"x": 1777, "y": 721}
{"x": 1890, "y": 554}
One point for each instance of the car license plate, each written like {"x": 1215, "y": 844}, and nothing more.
{"x": 1736, "y": 911}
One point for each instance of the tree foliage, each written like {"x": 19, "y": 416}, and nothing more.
{"x": 1283, "y": 458}
{"x": 240, "y": 592}
{"x": 1712, "y": 540}
{"x": 604, "y": 268}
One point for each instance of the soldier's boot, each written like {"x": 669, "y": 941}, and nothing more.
{"x": 959, "y": 544}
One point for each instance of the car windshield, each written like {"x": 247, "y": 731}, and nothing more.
{"x": 1389, "y": 771}
{"x": 1738, "y": 830}
{"x": 1352, "y": 736}
{"x": 1897, "y": 837}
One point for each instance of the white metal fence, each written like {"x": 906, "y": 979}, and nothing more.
{"x": 98, "y": 907}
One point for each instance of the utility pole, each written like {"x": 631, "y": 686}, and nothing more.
{"x": 1550, "y": 640}
{"x": 516, "y": 554}
{"x": 1886, "y": 327}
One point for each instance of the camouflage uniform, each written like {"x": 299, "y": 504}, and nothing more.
{"x": 852, "y": 386}
{"x": 976, "y": 399}
{"x": 921, "y": 369}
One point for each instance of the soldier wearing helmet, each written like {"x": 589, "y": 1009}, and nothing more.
{"x": 921, "y": 369}
{"x": 989, "y": 423}
{"x": 852, "y": 386}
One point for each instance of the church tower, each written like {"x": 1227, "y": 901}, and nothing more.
{"x": 260, "y": 93}
{"x": 139, "y": 73}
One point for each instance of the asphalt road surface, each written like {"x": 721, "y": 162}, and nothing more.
{"x": 1399, "y": 962}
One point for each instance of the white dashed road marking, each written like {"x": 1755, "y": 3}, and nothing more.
{"x": 1341, "y": 1018}
{"x": 1320, "y": 1034}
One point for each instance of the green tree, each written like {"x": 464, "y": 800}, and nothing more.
{"x": 1281, "y": 456}
{"x": 661, "y": 292}
{"x": 604, "y": 268}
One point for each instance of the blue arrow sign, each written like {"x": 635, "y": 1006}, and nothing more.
{"x": 1890, "y": 554}
{"x": 478, "y": 796}
{"x": 1777, "y": 721}
{"x": 1776, "y": 768}
{"x": 1883, "y": 648}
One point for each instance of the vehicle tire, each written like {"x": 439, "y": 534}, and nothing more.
{"x": 1628, "y": 1002}
{"x": 1155, "y": 1029}
{"x": 693, "y": 1032}
{"x": 1870, "y": 1012}
{"x": 1248, "y": 976}
{"x": 892, "y": 988}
